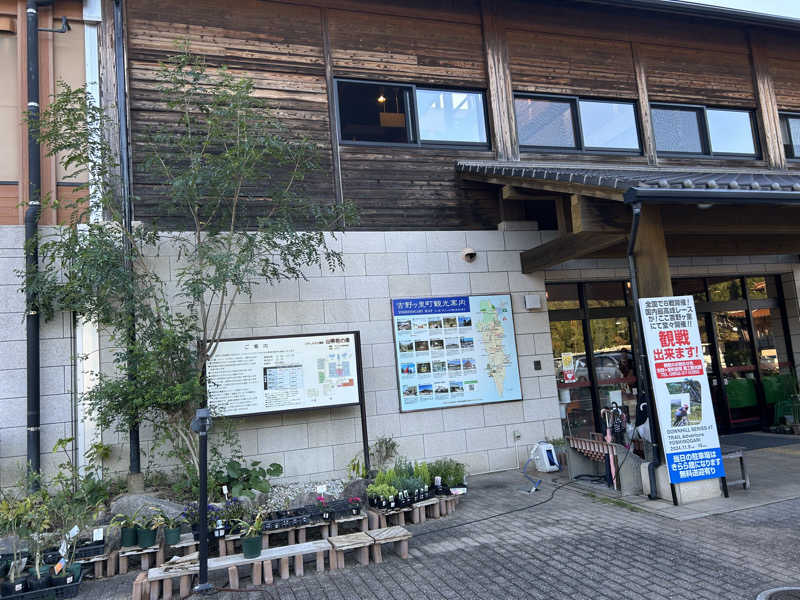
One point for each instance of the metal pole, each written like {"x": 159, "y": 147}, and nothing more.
{"x": 31, "y": 240}
{"x": 203, "y": 577}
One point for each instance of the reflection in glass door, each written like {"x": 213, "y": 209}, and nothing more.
{"x": 736, "y": 366}
{"x": 612, "y": 359}
{"x": 575, "y": 390}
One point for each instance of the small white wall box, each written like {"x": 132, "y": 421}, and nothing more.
{"x": 544, "y": 457}
{"x": 533, "y": 301}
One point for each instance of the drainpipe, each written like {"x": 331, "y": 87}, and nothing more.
{"x": 127, "y": 209}
{"x": 641, "y": 380}
{"x": 31, "y": 238}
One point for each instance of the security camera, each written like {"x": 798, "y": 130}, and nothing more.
{"x": 469, "y": 255}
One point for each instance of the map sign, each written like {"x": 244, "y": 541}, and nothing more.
{"x": 455, "y": 351}
{"x": 254, "y": 376}
{"x": 682, "y": 396}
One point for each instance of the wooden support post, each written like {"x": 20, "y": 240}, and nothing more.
{"x": 98, "y": 569}
{"x": 377, "y": 556}
{"x": 364, "y": 524}
{"x": 403, "y": 548}
{"x": 267, "y": 569}
{"x": 123, "y": 565}
{"x": 187, "y": 550}
{"x": 265, "y": 540}
{"x": 138, "y": 587}
{"x": 167, "y": 589}
{"x": 652, "y": 262}
{"x": 233, "y": 577}
{"x": 256, "y": 574}
{"x": 291, "y": 536}
{"x": 324, "y": 531}
{"x": 372, "y": 516}
{"x": 145, "y": 561}
{"x": 382, "y": 521}
{"x": 643, "y": 104}
{"x": 160, "y": 555}
{"x": 415, "y": 515}
{"x": 321, "y": 561}
{"x": 111, "y": 567}
{"x": 435, "y": 510}
{"x": 223, "y": 547}
{"x": 443, "y": 507}
{"x": 767, "y": 113}
{"x": 230, "y": 547}
{"x": 340, "y": 559}
{"x": 146, "y": 589}
{"x": 284, "y": 567}
{"x": 334, "y": 563}
{"x": 401, "y": 518}
{"x": 298, "y": 565}
{"x": 334, "y": 529}
{"x": 186, "y": 586}
{"x": 301, "y": 536}
{"x": 363, "y": 555}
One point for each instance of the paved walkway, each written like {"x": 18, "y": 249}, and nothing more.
{"x": 571, "y": 544}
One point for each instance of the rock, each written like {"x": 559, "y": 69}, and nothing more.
{"x": 302, "y": 499}
{"x": 356, "y": 488}
{"x": 145, "y": 504}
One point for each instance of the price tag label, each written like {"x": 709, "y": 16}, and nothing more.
{"x": 62, "y": 549}
{"x": 225, "y": 491}
{"x": 74, "y": 531}
{"x": 321, "y": 489}
{"x": 59, "y": 566}
{"x": 97, "y": 534}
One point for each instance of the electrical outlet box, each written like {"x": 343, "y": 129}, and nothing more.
{"x": 517, "y": 435}
{"x": 537, "y": 365}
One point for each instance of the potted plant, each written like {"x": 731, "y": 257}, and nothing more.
{"x": 355, "y": 504}
{"x": 233, "y": 513}
{"x": 129, "y": 526}
{"x": 251, "y": 535}
{"x": 37, "y": 526}
{"x": 12, "y": 520}
{"x": 322, "y": 504}
{"x": 146, "y": 533}
{"x": 172, "y": 527}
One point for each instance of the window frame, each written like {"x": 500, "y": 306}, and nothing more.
{"x": 413, "y": 116}
{"x": 701, "y": 110}
{"x": 789, "y": 115}
{"x": 577, "y": 126}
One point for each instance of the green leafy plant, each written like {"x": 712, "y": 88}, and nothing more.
{"x": 162, "y": 519}
{"x": 382, "y": 451}
{"x": 13, "y": 521}
{"x": 451, "y": 471}
{"x": 381, "y": 490}
{"x": 242, "y": 480}
{"x": 123, "y": 520}
{"x": 422, "y": 473}
{"x": 254, "y": 526}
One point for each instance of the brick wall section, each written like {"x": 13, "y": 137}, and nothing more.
{"x": 380, "y": 266}
{"x": 56, "y": 369}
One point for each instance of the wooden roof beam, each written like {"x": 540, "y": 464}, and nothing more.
{"x": 566, "y": 247}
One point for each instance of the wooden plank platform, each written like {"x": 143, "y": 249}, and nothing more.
{"x": 388, "y": 535}
{"x": 334, "y": 525}
{"x": 353, "y": 541}
{"x": 144, "y": 553}
{"x": 419, "y": 510}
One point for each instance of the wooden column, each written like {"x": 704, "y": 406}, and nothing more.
{"x": 332, "y": 116}
{"x": 652, "y": 262}
{"x": 500, "y": 96}
{"x": 767, "y": 113}
{"x": 643, "y": 104}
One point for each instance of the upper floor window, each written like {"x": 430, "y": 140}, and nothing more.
{"x": 576, "y": 124}
{"x": 405, "y": 114}
{"x": 682, "y": 129}
{"x": 790, "y": 132}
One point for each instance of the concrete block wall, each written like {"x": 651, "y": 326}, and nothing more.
{"x": 56, "y": 358}
{"x": 379, "y": 266}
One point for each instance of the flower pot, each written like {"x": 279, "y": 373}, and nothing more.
{"x": 172, "y": 535}
{"x": 38, "y": 583}
{"x": 251, "y": 546}
{"x": 326, "y": 515}
{"x": 128, "y": 537}
{"x": 76, "y": 569}
{"x": 146, "y": 537}
{"x": 19, "y": 585}
{"x": 355, "y": 509}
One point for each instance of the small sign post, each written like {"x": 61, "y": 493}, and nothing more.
{"x": 681, "y": 390}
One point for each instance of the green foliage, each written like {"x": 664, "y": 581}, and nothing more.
{"x": 224, "y": 153}
{"x": 382, "y": 451}
{"x": 85, "y": 491}
{"x": 451, "y": 471}
{"x": 375, "y": 490}
{"x": 403, "y": 467}
{"x": 242, "y": 480}
{"x": 356, "y": 469}
{"x": 422, "y": 473}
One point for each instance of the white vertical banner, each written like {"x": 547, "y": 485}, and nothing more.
{"x": 680, "y": 385}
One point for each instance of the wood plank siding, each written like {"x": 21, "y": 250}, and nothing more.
{"x": 543, "y": 46}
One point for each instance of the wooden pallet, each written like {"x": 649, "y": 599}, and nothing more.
{"x": 144, "y": 553}
{"x": 108, "y": 560}
{"x": 158, "y": 581}
{"x": 334, "y": 525}
{"x": 379, "y": 517}
{"x": 388, "y": 535}
{"x": 418, "y": 514}
{"x": 353, "y": 541}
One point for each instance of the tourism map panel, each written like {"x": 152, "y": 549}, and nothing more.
{"x": 455, "y": 351}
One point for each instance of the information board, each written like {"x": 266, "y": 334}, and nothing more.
{"x": 265, "y": 375}
{"x": 455, "y": 351}
{"x": 682, "y": 395}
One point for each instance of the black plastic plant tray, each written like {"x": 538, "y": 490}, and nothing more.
{"x": 69, "y": 590}
{"x": 90, "y": 550}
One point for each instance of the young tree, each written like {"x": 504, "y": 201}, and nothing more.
{"x": 221, "y": 155}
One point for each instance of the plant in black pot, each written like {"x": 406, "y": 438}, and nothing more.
{"x": 234, "y": 511}
{"x": 251, "y": 535}
{"x": 171, "y": 525}
{"x": 147, "y": 531}
{"x": 13, "y": 513}
{"x": 355, "y": 504}
{"x": 322, "y": 505}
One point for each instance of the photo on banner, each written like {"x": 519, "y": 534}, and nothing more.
{"x": 455, "y": 351}
{"x": 680, "y": 385}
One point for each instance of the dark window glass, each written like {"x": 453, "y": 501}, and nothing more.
{"x": 370, "y": 112}
{"x": 562, "y": 296}
{"x": 723, "y": 289}
{"x": 790, "y": 132}
{"x": 451, "y": 116}
{"x": 761, "y": 287}
{"x": 677, "y": 130}
{"x": 545, "y": 123}
{"x": 690, "y": 287}
{"x": 730, "y": 131}
{"x": 608, "y": 125}
{"x": 605, "y": 294}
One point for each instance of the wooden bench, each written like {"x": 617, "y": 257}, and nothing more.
{"x": 379, "y": 517}
{"x": 353, "y": 541}
{"x": 144, "y": 554}
{"x": 334, "y": 525}
{"x": 110, "y": 560}
{"x": 419, "y": 510}
{"x": 386, "y": 536}
{"x": 158, "y": 581}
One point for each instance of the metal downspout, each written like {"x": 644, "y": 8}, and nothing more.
{"x": 641, "y": 380}
{"x": 127, "y": 209}
{"x": 31, "y": 239}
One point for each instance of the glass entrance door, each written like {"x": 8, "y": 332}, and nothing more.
{"x": 737, "y": 367}
{"x": 574, "y": 384}
{"x": 612, "y": 359}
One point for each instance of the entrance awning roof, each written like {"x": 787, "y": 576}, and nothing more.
{"x": 594, "y": 221}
